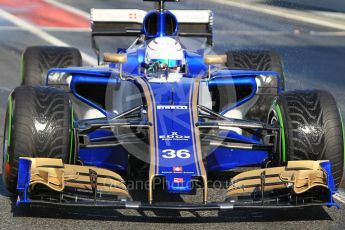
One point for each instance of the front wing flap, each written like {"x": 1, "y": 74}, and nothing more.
{"x": 299, "y": 176}
{"x": 41, "y": 176}
{"x": 50, "y": 182}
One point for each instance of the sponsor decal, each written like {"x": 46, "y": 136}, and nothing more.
{"x": 132, "y": 16}
{"x": 182, "y": 172}
{"x": 178, "y": 180}
{"x": 174, "y": 136}
{"x": 172, "y": 153}
{"x": 177, "y": 169}
{"x": 176, "y": 107}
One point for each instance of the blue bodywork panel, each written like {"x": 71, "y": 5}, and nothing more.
{"x": 174, "y": 125}
{"x": 177, "y": 160}
{"x": 222, "y": 159}
{"x": 115, "y": 159}
{"x": 170, "y": 121}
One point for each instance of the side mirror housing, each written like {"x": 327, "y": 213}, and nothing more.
{"x": 215, "y": 59}
{"x": 116, "y": 58}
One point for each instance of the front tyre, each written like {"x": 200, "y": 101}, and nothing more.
{"x": 38, "y": 124}
{"x": 311, "y": 128}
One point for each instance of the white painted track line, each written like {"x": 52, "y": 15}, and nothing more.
{"x": 69, "y": 8}
{"x": 274, "y": 11}
{"x": 48, "y": 28}
{"x": 42, "y": 34}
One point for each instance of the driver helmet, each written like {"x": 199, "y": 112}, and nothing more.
{"x": 165, "y": 53}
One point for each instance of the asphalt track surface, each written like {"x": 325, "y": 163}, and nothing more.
{"x": 312, "y": 60}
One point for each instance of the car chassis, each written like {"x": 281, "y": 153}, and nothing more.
{"x": 50, "y": 182}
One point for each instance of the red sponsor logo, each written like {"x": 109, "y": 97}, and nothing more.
{"x": 177, "y": 169}
{"x": 178, "y": 180}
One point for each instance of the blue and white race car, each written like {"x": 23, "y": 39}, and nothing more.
{"x": 157, "y": 118}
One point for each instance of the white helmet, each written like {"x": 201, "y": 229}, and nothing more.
{"x": 165, "y": 51}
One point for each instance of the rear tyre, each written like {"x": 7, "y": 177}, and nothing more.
{"x": 311, "y": 128}
{"x": 38, "y": 124}
{"x": 37, "y": 60}
{"x": 259, "y": 61}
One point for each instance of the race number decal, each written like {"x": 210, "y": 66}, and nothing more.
{"x": 171, "y": 153}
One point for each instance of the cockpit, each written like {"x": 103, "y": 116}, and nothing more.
{"x": 164, "y": 56}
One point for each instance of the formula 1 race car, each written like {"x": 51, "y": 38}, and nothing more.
{"x": 157, "y": 118}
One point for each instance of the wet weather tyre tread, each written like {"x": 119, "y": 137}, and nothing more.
{"x": 37, "y": 60}
{"x": 258, "y": 61}
{"x": 313, "y": 128}
{"x": 41, "y": 127}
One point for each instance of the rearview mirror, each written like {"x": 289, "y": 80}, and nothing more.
{"x": 215, "y": 59}
{"x": 116, "y": 58}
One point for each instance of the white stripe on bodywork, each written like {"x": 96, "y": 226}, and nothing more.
{"x": 68, "y": 8}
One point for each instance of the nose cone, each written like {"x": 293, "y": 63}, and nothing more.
{"x": 178, "y": 152}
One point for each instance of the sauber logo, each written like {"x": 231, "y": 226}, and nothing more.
{"x": 132, "y": 16}
{"x": 179, "y": 107}
{"x": 174, "y": 136}
{"x": 177, "y": 169}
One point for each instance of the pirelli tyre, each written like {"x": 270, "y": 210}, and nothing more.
{"x": 257, "y": 60}
{"x": 260, "y": 61}
{"x": 38, "y": 124}
{"x": 37, "y": 60}
{"x": 311, "y": 128}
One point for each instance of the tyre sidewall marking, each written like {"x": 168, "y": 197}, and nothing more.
{"x": 282, "y": 132}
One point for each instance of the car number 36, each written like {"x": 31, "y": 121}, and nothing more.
{"x": 171, "y": 153}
